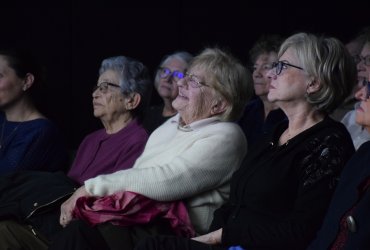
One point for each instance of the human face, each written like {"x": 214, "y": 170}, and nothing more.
{"x": 194, "y": 102}
{"x": 260, "y": 69}
{"x": 363, "y": 110}
{"x": 291, "y": 83}
{"x": 10, "y": 84}
{"x": 108, "y": 103}
{"x": 363, "y": 71}
{"x": 167, "y": 87}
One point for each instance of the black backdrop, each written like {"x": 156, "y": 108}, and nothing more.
{"x": 72, "y": 39}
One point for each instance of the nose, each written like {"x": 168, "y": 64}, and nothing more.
{"x": 361, "y": 94}
{"x": 256, "y": 72}
{"x": 360, "y": 65}
{"x": 181, "y": 82}
{"x": 271, "y": 74}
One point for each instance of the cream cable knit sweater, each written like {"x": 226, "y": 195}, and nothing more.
{"x": 194, "y": 165}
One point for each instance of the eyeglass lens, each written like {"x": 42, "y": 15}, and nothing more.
{"x": 165, "y": 72}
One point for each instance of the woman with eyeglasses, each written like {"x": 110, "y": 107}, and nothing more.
{"x": 347, "y": 222}
{"x": 358, "y": 133}
{"x": 280, "y": 193}
{"x": 189, "y": 158}
{"x": 170, "y": 71}
{"x": 119, "y": 100}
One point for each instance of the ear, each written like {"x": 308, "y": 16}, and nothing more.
{"x": 132, "y": 101}
{"x": 28, "y": 81}
{"x": 219, "y": 106}
{"x": 313, "y": 86}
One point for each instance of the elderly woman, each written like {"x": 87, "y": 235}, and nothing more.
{"x": 170, "y": 71}
{"x": 190, "y": 157}
{"x": 28, "y": 140}
{"x": 260, "y": 115}
{"x": 119, "y": 101}
{"x": 347, "y": 221}
{"x": 280, "y": 193}
{"x": 358, "y": 133}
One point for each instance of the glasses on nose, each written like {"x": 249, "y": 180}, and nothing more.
{"x": 366, "y": 84}
{"x": 194, "y": 81}
{"x": 365, "y": 59}
{"x": 166, "y": 72}
{"x": 104, "y": 86}
{"x": 280, "y": 65}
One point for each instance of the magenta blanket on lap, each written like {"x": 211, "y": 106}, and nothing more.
{"x": 128, "y": 208}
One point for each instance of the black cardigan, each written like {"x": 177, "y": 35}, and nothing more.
{"x": 279, "y": 195}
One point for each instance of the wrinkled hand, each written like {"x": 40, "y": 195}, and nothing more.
{"x": 212, "y": 238}
{"x": 67, "y": 207}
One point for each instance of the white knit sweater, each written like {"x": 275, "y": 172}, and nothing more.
{"x": 194, "y": 164}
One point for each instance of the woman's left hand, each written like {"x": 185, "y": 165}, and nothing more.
{"x": 66, "y": 209}
{"x": 212, "y": 238}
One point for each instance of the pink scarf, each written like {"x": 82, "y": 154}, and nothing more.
{"x": 128, "y": 208}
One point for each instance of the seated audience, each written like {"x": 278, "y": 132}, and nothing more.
{"x": 170, "y": 70}
{"x": 118, "y": 97}
{"x": 191, "y": 157}
{"x": 260, "y": 115}
{"x": 347, "y": 224}
{"x": 28, "y": 140}
{"x": 280, "y": 193}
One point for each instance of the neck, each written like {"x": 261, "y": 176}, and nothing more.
{"x": 268, "y": 106}
{"x": 300, "y": 122}
{"x": 22, "y": 112}
{"x": 112, "y": 127}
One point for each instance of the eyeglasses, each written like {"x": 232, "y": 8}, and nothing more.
{"x": 366, "y": 84}
{"x": 103, "y": 86}
{"x": 166, "y": 72}
{"x": 193, "y": 81}
{"x": 280, "y": 65}
{"x": 365, "y": 59}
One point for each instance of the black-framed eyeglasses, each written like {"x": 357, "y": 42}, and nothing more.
{"x": 104, "y": 86}
{"x": 366, "y": 84}
{"x": 365, "y": 59}
{"x": 194, "y": 81}
{"x": 166, "y": 72}
{"x": 280, "y": 65}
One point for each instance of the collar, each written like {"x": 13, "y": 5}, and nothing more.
{"x": 194, "y": 125}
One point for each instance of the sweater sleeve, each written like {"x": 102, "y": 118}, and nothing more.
{"x": 206, "y": 164}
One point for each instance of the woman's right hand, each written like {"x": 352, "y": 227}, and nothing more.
{"x": 66, "y": 209}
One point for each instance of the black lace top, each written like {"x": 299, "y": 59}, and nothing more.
{"x": 280, "y": 194}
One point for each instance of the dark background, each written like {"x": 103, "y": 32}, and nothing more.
{"x": 73, "y": 37}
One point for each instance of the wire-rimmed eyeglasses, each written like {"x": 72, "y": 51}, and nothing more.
{"x": 280, "y": 65}
{"x": 103, "y": 86}
{"x": 194, "y": 81}
{"x": 365, "y": 59}
{"x": 166, "y": 72}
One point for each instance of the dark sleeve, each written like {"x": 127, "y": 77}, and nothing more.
{"x": 318, "y": 171}
{"x": 220, "y": 217}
